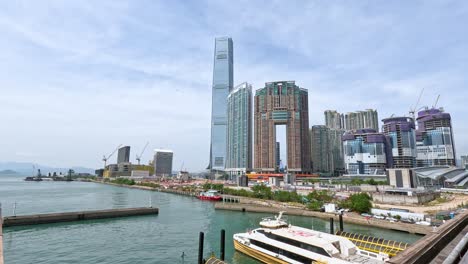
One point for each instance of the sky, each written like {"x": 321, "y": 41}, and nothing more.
{"x": 78, "y": 78}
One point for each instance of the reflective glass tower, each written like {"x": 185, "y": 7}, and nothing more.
{"x": 239, "y": 131}
{"x": 222, "y": 86}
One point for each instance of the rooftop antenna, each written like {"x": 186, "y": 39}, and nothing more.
{"x": 413, "y": 110}
{"x": 138, "y": 157}
{"x": 104, "y": 158}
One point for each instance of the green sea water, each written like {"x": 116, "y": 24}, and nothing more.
{"x": 147, "y": 239}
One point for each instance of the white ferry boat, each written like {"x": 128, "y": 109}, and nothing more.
{"x": 280, "y": 244}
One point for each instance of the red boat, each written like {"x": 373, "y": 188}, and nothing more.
{"x": 211, "y": 195}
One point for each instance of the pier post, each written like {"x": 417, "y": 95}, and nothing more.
{"x": 331, "y": 226}
{"x": 200, "y": 248}
{"x": 223, "y": 241}
{"x": 341, "y": 222}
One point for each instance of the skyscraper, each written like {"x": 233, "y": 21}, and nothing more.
{"x": 239, "y": 130}
{"x": 401, "y": 131}
{"x": 366, "y": 152}
{"x": 320, "y": 148}
{"x": 222, "y": 86}
{"x": 123, "y": 156}
{"x": 332, "y": 119}
{"x": 464, "y": 161}
{"x": 282, "y": 103}
{"x": 434, "y": 139}
{"x": 278, "y": 155}
{"x": 163, "y": 162}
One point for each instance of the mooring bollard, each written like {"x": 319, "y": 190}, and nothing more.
{"x": 200, "y": 248}
{"x": 331, "y": 225}
{"x": 341, "y": 222}
{"x": 223, "y": 242}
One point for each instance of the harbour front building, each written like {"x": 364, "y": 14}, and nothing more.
{"x": 282, "y": 103}
{"x": 401, "y": 131}
{"x": 366, "y": 152}
{"x": 163, "y": 162}
{"x": 239, "y": 131}
{"x": 434, "y": 139}
{"x": 320, "y": 149}
{"x": 222, "y": 86}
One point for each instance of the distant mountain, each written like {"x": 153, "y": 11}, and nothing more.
{"x": 8, "y": 172}
{"x": 29, "y": 168}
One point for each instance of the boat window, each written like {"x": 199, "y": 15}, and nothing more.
{"x": 282, "y": 252}
{"x": 295, "y": 243}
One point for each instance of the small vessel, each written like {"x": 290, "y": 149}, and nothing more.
{"x": 274, "y": 222}
{"x": 210, "y": 195}
{"x": 283, "y": 244}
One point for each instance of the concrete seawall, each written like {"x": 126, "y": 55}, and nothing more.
{"x": 409, "y": 228}
{"x": 75, "y": 216}
{"x": 1, "y": 235}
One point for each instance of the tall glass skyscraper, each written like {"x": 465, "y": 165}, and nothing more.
{"x": 239, "y": 131}
{"x": 401, "y": 131}
{"x": 222, "y": 86}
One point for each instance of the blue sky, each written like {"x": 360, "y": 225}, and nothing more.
{"x": 78, "y": 78}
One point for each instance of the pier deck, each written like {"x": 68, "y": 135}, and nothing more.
{"x": 75, "y": 216}
{"x": 410, "y": 228}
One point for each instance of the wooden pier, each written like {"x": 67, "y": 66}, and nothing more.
{"x": 75, "y": 216}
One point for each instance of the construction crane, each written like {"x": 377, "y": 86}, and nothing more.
{"x": 138, "y": 157}
{"x": 413, "y": 110}
{"x": 437, "y": 100}
{"x": 104, "y": 158}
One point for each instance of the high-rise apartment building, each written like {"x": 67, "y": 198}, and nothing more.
{"x": 163, "y": 162}
{"x": 366, "y": 152}
{"x": 239, "y": 131}
{"x": 401, "y": 131}
{"x": 434, "y": 139}
{"x": 320, "y": 149}
{"x": 360, "y": 120}
{"x": 278, "y": 155}
{"x": 352, "y": 120}
{"x": 333, "y": 119}
{"x": 282, "y": 103}
{"x": 222, "y": 85}
{"x": 123, "y": 155}
{"x": 337, "y": 166}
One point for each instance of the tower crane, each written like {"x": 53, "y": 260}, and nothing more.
{"x": 138, "y": 157}
{"x": 104, "y": 158}
{"x": 413, "y": 110}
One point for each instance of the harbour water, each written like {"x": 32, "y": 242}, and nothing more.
{"x": 145, "y": 239}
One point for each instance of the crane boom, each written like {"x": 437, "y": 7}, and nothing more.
{"x": 437, "y": 100}
{"x": 138, "y": 157}
{"x": 413, "y": 110}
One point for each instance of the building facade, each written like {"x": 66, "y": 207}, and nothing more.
{"x": 239, "y": 131}
{"x": 282, "y": 103}
{"x": 320, "y": 149}
{"x": 278, "y": 155}
{"x": 222, "y": 85}
{"x": 401, "y": 131}
{"x": 333, "y": 119}
{"x": 434, "y": 139}
{"x": 163, "y": 162}
{"x": 366, "y": 152}
{"x": 123, "y": 155}
{"x": 464, "y": 161}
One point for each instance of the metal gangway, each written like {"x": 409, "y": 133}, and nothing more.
{"x": 375, "y": 244}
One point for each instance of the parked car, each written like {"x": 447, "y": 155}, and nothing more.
{"x": 379, "y": 217}
{"x": 423, "y": 223}
{"x": 391, "y": 219}
{"x": 366, "y": 215}
{"x": 408, "y": 221}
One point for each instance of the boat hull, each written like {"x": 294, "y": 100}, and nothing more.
{"x": 265, "y": 258}
{"x": 210, "y": 198}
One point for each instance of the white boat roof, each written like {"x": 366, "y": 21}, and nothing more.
{"x": 316, "y": 238}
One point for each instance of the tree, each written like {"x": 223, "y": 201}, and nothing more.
{"x": 360, "y": 202}
{"x": 262, "y": 191}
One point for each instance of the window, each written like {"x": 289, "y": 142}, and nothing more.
{"x": 282, "y": 252}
